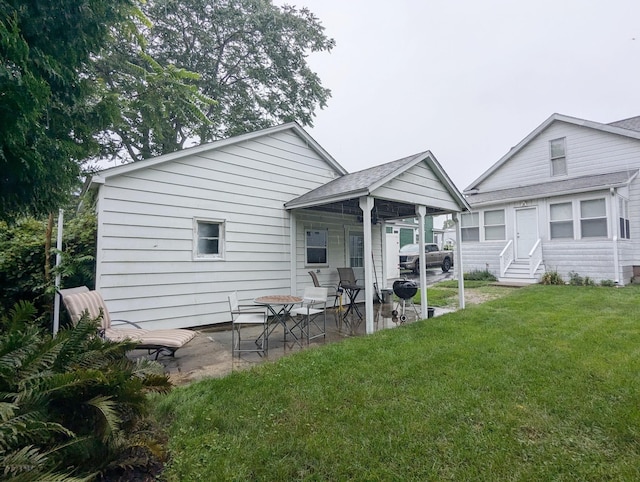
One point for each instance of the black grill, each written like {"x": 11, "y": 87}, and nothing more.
{"x": 405, "y": 289}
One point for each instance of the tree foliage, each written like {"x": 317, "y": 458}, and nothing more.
{"x": 251, "y": 58}
{"x": 22, "y": 259}
{"x": 48, "y": 113}
{"x": 70, "y": 405}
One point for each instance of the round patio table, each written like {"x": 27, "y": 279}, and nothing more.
{"x": 280, "y": 306}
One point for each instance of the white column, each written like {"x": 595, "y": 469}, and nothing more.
{"x": 421, "y": 211}
{"x": 458, "y": 262}
{"x": 366, "y": 204}
{"x": 293, "y": 248}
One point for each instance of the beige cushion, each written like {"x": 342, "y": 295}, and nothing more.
{"x": 91, "y": 301}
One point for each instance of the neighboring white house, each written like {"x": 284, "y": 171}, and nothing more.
{"x": 251, "y": 214}
{"x": 565, "y": 199}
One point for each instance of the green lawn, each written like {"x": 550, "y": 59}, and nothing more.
{"x": 542, "y": 384}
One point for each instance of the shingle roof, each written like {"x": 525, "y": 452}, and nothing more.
{"x": 356, "y": 182}
{"x": 566, "y": 186}
{"x": 633, "y": 123}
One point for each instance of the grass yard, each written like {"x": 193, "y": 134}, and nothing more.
{"x": 543, "y": 384}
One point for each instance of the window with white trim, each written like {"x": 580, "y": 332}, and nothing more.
{"x": 557, "y": 150}
{"x": 208, "y": 239}
{"x": 470, "y": 226}
{"x": 494, "y": 227}
{"x": 561, "y": 221}
{"x": 356, "y": 250}
{"x": 316, "y": 247}
{"x": 623, "y": 212}
{"x": 593, "y": 218}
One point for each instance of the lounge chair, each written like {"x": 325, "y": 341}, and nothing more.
{"x": 81, "y": 300}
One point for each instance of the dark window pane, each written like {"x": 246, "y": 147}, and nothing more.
{"x": 316, "y": 256}
{"x": 208, "y": 246}
{"x": 592, "y": 228}
{"x": 209, "y": 230}
{"x": 562, "y": 230}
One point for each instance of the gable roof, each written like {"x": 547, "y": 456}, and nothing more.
{"x": 622, "y": 128}
{"x": 632, "y": 123}
{"x": 363, "y": 183}
{"x": 100, "y": 177}
{"x": 566, "y": 186}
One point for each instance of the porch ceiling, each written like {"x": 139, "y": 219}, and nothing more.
{"x": 383, "y": 209}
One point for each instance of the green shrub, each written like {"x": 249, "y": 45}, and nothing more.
{"x": 73, "y": 404}
{"x": 575, "y": 279}
{"x": 479, "y": 275}
{"x": 22, "y": 259}
{"x": 607, "y": 283}
{"x": 551, "y": 278}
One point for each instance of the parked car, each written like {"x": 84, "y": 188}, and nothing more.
{"x": 410, "y": 259}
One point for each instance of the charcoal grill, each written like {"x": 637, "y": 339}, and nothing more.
{"x": 405, "y": 290}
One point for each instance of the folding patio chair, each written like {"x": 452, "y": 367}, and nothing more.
{"x": 81, "y": 300}
{"x": 314, "y": 305}
{"x": 245, "y": 316}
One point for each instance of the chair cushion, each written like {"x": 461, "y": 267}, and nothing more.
{"x": 170, "y": 338}
{"x": 91, "y": 301}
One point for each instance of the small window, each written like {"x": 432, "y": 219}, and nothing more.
{"x": 208, "y": 239}
{"x": 561, "y": 225}
{"x": 470, "y": 227}
{"x": 558, "y": 157}
{"x": 494, "y": 225}
{"x": 593, "y": 218}
{"x": 356, "y": 250}
{"x": 623, "y": 211}
{"x": 316, "y": 243}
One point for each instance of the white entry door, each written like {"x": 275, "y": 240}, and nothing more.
{"x": 526, "y": 231}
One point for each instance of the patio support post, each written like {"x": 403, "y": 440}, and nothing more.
{"x": 458, "y": 262}
{"x": 293, "y": 249}
{"x": 421, "y": 211}
{"x": 366, "y": 204}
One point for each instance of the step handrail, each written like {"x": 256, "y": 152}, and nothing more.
{"x": 506, "y": 257}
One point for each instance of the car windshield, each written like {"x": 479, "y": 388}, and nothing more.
{"x": 409, "y": 248}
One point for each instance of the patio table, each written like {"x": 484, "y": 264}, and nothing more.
{"x": 280, "y": 306}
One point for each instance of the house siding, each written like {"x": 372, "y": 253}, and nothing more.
{"x": 418, "y": 182}
{"x": 588, "y": 151}
{"x": 146, "y": 270}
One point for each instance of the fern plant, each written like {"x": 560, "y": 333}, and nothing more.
{"x": 71, "y": 405}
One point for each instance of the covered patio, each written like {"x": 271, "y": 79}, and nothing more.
{"x": 415, "y": 186}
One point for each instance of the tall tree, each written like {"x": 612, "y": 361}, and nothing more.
{"x": 252, "y": 60}
{"x": 46, "y": 127}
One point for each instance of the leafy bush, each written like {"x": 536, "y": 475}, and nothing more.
{"x": 73, "y": 404}
{"x": 479, "y": 275}
{"x": 576, "y": 280}
{"x": 607, "y": 283}
{"x": 551, "y": 278}
{"x": 22, "y": 259}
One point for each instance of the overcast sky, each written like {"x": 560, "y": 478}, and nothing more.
{"x": 468, "y": 79}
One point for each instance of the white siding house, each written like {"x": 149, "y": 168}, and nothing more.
{"x": 251, "y": 214}
{"x": 565, "y": 199}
